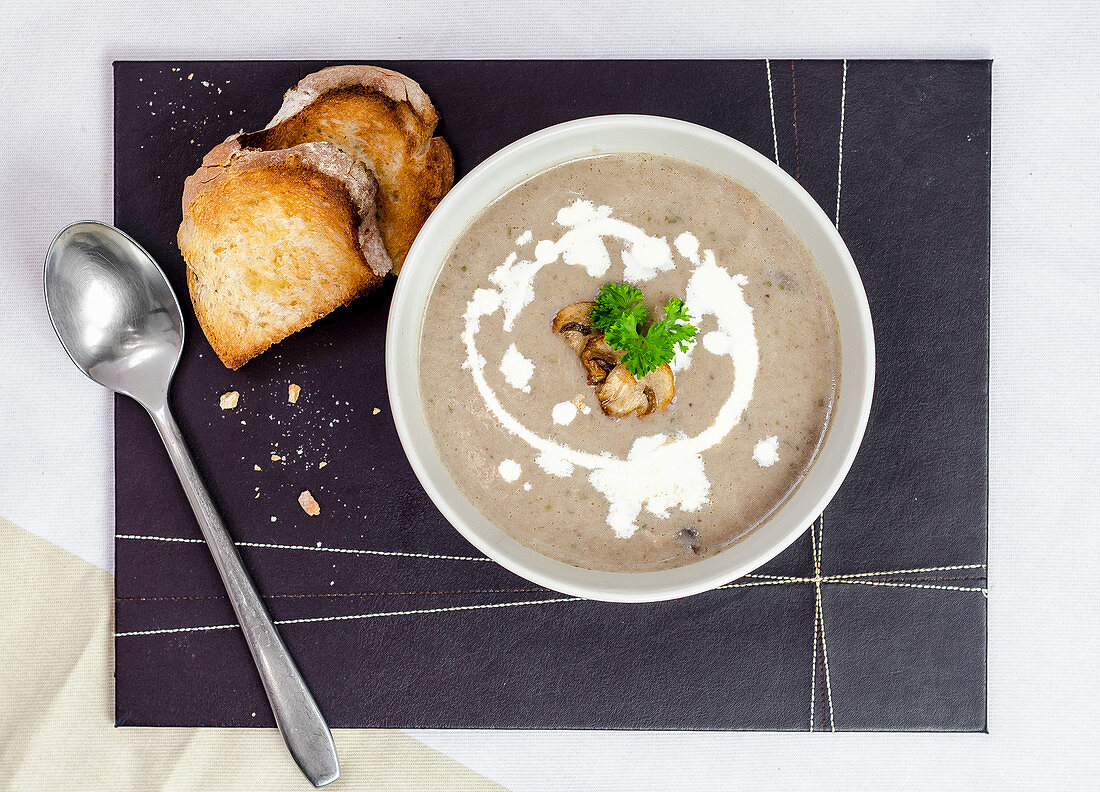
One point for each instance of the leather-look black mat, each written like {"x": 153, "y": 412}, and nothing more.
{"x": 877, "y": 623}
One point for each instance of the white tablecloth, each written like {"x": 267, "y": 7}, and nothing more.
{"x": 55, "y": 429}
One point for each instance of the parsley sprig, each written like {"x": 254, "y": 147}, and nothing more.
{"x": 620, "y": 314}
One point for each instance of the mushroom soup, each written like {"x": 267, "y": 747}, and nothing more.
{"x": 538, "y": 417}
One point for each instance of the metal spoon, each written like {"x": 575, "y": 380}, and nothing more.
{"x": 119, "y": 321}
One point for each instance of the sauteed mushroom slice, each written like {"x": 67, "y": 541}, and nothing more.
{"x": 573, "y": 323}
{"x": 599, "y": 359}
{"x": 620, "y": 394}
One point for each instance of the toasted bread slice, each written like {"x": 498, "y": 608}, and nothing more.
{"x": 382, "y": 119}
{"x": 274, "y": 240}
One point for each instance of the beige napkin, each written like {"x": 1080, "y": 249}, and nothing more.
{"x": 56, "y": 703}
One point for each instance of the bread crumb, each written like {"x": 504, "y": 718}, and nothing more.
{"x": 228, "y": 401}
{"x": 292, "y": 393}
{"x": 191, "y": 76}
{"x": 275, "y": 457}
{"x": 375, "y": 411}
{"x": 255, "y": 467}
{"x": 322, "y": 465}
{"x": 309, "y": 504}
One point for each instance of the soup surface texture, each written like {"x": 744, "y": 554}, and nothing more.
{"x": 523, "y": 434}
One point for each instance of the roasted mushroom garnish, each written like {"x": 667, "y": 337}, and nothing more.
{"x": 620, "y": 394}
{"x": 573, "y": 323}
{"x": 598, "y": 358}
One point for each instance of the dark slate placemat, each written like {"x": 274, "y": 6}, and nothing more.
{"x": 874, "y": 620}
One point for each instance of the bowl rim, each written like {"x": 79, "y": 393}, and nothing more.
{"x": 406, "y": 407}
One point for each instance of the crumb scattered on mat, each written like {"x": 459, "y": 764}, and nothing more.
{"x": 292, "y": 393}
{"x": 309, "y": 504}
{"x": 376, "y": 411}
{"x": 229, "y": 400}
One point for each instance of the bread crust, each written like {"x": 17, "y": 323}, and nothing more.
{"x": 384, "y": 120}
{"x": 389, "y": 83}
{"x": 338, "y": 180}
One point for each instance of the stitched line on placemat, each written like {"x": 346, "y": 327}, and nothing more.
{"x": 318, "y": 549}
{"x": 938, "y": 579}
{"x": 821, "y": 693}
{"x": 816, "y": 580}
{"x": 840, "y": 145}
{"x": 780, "y": 580}
{"x": 312, "y": 619}
{"x": 334, "y": 594}
{"x": 794, "y": 102}
{"x": 771, "y": 107}
{"x": 818, "y": 548}
{"x": 820, "y": 542}
{"x": 825, "y": 660}
{"x": 759, "y": 583}
{"x": 178, "y": 630}
{"x": 909, "y": 571}
{"x": 910, "y": 585}
{"x": 813, "y": 671}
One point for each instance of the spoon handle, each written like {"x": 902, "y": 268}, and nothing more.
{"x": 299, "y": 719}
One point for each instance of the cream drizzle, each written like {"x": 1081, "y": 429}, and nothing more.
{"x": 564, "y": 413}
{"x": 766, "y": 452}
{"x": 517, "y": 369}
{"x": 509, "y": 470}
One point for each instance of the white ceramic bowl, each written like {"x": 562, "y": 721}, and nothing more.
{"x": 654, "y": 135}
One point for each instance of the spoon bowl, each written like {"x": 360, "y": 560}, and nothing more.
{"x": 114, "y": 311}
